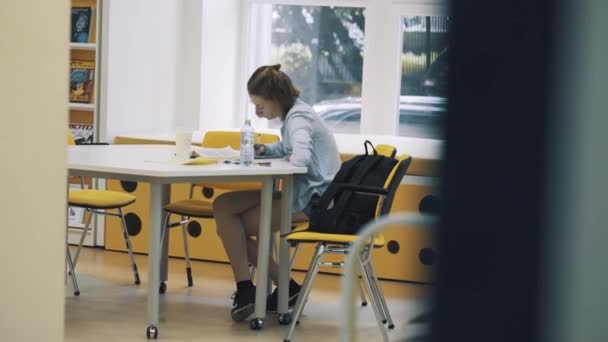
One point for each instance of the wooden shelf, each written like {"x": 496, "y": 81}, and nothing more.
{"x": 83, "y": 46}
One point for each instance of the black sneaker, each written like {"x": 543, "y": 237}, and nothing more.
{"x": 272, "y": 302}
{"x": 244, "y": 304}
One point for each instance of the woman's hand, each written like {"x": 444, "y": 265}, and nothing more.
{"x": 260, "y": 149}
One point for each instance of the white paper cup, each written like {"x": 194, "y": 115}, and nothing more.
{"x": 183, "y": 144}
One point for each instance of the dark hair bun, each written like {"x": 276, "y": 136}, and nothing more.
{"x": 277, "y": 67}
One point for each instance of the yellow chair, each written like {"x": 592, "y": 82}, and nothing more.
{"x": 327, "y": 243}
{"x": 98, "y": 202}
{"x": 191, "y": 208}
{"x": 381, "y": 149}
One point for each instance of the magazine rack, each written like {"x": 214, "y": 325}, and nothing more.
{"x": 83, "y": 93}
{"x": 84, "y": 69}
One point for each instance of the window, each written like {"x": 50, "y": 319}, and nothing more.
{"x": 321, "y": 49}
{"x": 424, "y": 67}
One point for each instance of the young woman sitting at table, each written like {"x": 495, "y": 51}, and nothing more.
{"x": 306, "y": 141}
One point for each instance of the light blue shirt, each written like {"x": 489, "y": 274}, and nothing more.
{"x": 308, "y": 142}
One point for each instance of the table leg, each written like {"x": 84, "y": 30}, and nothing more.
{"x": 159, "y": 196}
{"x": 284, "y": 246}
{"x": 263, "y": 252}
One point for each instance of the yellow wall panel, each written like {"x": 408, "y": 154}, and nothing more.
{"x": 402, "y": 263}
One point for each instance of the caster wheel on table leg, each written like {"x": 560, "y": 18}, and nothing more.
{"x": 285, "y": 319}
{"x": 256, "y": 324}
{"x": 391, "y": 326}
{"x": 163, "y": 287}
{"x": 152, "y": 332}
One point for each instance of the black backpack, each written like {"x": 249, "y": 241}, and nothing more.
{"x": 351, "y": 199}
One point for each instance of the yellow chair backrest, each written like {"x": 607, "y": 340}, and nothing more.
{"x": 402, "y": 159}
{"x": 392, "y": 183}
{"x": 382, "y": 149}
{"x": 220, "y": 139}
{"x": 71, "y": 140}
{"x": 386, "y": 150}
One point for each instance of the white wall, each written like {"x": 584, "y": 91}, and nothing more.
{"x": 188, "y": 68}
{"x": 221, "y": 57}
{"x": 140, "y": 67}
{"x": 33, "y": 115}
{"x": 151, "y": 67}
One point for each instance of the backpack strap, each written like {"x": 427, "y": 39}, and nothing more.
{"x": 367, "y": 142}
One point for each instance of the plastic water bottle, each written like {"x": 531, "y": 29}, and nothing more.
{"x": 247, "y": 141}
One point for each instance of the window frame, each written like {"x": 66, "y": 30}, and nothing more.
{"x": 381, "y": 55}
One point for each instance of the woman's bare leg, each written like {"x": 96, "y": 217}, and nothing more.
{"x": 251, "y": 221}
{"x": 237, "y": 215}
{"x": 227, "y": 210}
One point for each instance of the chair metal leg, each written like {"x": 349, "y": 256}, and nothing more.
{"x": 274, "y": 253}
{"x": 362, "y": 295}
{"x": 274, "y": 247}
{"x": 86, "y": 228}
{"x": 186, "y": 252}
{"x": 374, "y": 293}
{"x": 129, "y": 248}
{"x": 72, "y": 273}
{"x": 163, "y": 230}
{"x": 375, "y": 305}
{"x": 252, "y": 271}
{"x": 380, "y": 295}
{"x": 313, "y": 269}
{"x": 293, "y": 257}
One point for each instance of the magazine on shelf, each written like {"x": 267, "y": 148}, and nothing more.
{"x": 82, "y": 132}
{"x": 76, "y": 214}
{"x": 82, "y": 79}
{"x": 82, "y": 23}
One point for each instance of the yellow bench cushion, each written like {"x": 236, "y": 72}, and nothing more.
{"x": 195, "y": 208}
{"x": 99, "y": 199}
{"x": 304, "y": 236}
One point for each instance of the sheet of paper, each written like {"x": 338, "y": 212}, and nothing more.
{"x": 221, "y": 153}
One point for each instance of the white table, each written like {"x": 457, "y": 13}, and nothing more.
{"x": 149, "y": 163}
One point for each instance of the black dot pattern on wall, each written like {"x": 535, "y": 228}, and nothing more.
{"x": 128, "y": 186}
{"x": 194, "y": 229}
{"x": 133, "y": 224}
{"x": 429, "y": 204}
{"x": 427, "y": 256}
{"x": 393, "y": 246}
{"x": 207, "y": 192}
